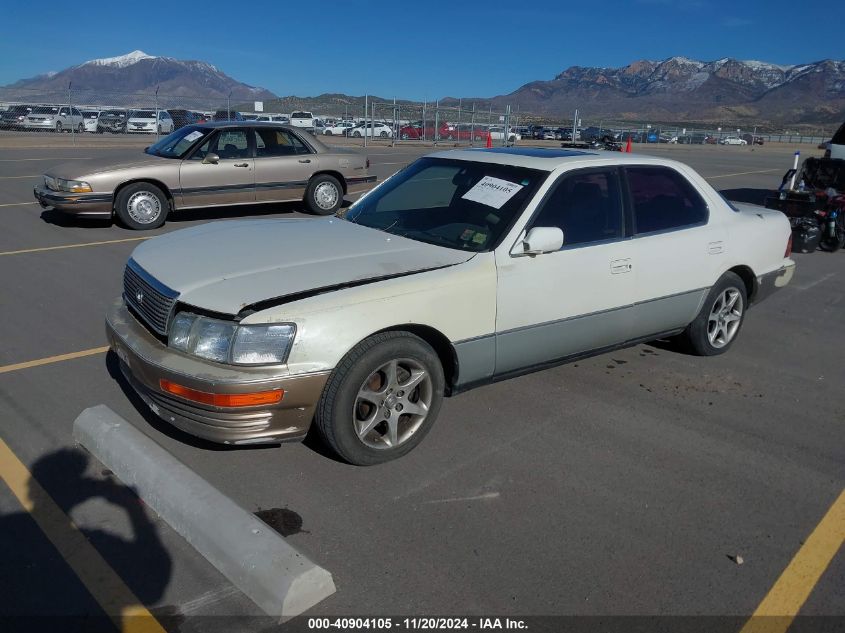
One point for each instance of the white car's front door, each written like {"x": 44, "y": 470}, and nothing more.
{"x": 677, "y": 248}
{"x": 560, "y": 304}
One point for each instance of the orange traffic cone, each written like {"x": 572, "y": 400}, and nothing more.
{"x": 628, "y": 146}
{"x": 489, "y": 139}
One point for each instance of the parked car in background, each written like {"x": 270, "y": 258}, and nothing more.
{"x": 271, "y": 118}
{"x": 338, "y": 129}
{"x": 89, "y": 120}
{"x": 837, "y": 144}
{"x": 181, "y": 118}
{"x": 434, "y": 283}
{"x": 227, "y": 115}
{"x": 370, "y": 129}
{"x": 13, "y": 117}
{"x": 549, "y": 135}
{"x": 497, "y": 133}
{"x": 250, "y": 117}
{"x": 733, "y": 140}
{"x": 213, "y": 164}
{"x": 750, "y": 139}
{"x": 415, "y": 131}
{"x": 113, "y": 121}
{"x": 54, "y": 118}
{"x": 144, "y": 121}
{"x": 302, "y": 118}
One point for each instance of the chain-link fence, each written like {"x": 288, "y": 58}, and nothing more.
{"x": 362, "y": 120}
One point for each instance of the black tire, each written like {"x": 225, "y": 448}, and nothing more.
{"x": 58, "y": 127}
{"x": 404, "y": 136}
{"x": 128, "y": 196}
{"x": 328, "y": 132}
{"x": 383, "y": 134}
{"x": 317, "y": 197}
{"x": 80, "y": 128}
{"x": 697, "y": 337}
{"x": 833, "y": 244}
{"x": 356, "y": 134}
{"x": 339, "y": 404}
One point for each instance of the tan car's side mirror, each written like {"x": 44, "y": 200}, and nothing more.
{"x": 211, "y": 159}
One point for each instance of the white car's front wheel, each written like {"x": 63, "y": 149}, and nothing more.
{"x": 381, "y": 399}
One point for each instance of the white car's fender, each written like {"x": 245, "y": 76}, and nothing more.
{"x": 457, "y": 301}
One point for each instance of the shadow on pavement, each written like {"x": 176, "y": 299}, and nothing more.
{"x": 39, "y": 591}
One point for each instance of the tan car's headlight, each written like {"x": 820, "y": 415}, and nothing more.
{"x": 228, "y": 342}
{"x": 73, "y": 186}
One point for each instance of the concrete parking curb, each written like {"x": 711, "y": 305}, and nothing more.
{"x": 249, "y": 553}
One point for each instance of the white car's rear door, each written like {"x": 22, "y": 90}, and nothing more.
{"x": 677, "y": 249}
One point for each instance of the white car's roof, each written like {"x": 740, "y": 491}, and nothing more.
{"x": 549, "y": 159}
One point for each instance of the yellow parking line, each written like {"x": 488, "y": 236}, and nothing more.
{"x": 790, "y": 592}
{"x": 105, "y": 586}
{"x": 742, "y": 173}
{"x": 53, "y": 359}
{"x": 57, "y": 248}
{"x": 17, "y": 160}
{"x": 13, "y": 177}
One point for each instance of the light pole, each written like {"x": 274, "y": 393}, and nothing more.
{"x": 70, "y": 113}
{"x": 229, "y": 107}
{"x": 158, "y": 125}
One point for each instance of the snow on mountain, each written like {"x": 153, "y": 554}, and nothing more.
{"x": 121, "y": 61}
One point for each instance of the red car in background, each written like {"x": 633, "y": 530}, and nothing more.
{"x": 414, "y": 131}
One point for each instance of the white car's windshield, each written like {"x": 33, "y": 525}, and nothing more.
{"x": 454, "y": 203}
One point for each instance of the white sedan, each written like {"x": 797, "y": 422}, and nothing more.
{"x": 145, "y": 121}
{"x": 497, "y": 134}
{"x": 371, "y": 129}
{"x": 339, "y": 129}
{"x": 464, "y": 268}
{"x": 733, "y": 140}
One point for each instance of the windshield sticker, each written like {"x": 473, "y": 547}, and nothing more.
{"x": 193, "y": 136}
{"x": 494, "y": 192}
{"x": 479, "y": 238}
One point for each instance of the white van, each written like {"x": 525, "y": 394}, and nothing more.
{"x": 302, "y": 119}
{"x": 837, "y": 144}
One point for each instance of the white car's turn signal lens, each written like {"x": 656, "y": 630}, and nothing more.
{"x": 262, "y": 344}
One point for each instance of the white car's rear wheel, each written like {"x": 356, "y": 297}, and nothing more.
{"x": 718, "y": 323}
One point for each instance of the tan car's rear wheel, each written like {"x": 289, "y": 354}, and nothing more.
{"x": 141, "y": 206}
{"x": 381, "y": 399}
{"x": 324, "y": 195}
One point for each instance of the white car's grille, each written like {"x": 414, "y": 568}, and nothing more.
{"x": 152, "y": 300}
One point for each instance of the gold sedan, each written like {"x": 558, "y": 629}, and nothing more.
{"x": 214, "y": 164}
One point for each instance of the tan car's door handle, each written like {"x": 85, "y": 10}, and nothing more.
{"x": 241, "y": 164}
{"x": 304, "y": 160}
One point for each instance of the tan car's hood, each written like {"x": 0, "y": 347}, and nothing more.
{"x": 79, "y": 169}
{"x": 226, "y": 266}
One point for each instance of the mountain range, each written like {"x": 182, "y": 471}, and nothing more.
{"x": 110, "y": 78}
{"x": 681, "y": 89}
{"x": 677, "y": 89}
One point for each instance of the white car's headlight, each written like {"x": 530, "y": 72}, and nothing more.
{"x": 73, "y": 186}
{"x": 230, "y": 343}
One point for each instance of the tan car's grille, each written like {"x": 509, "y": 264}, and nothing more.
{"x": 152, "y": 300}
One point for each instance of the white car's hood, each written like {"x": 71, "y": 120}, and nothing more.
{"x": 226, "y": 266}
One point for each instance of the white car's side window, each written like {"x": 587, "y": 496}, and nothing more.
{"x": 586, "y": 205}
{"x": 663, "y": 200}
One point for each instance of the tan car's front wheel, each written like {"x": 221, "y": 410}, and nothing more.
{"x": 324, "y": 195}
{"x": 141, "y": 206}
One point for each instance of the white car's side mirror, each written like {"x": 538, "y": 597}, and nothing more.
{"x": 542, "y": 239}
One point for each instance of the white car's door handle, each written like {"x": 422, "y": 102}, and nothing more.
{"x": 619, "y": 266}
{"x": 714, "y": 248}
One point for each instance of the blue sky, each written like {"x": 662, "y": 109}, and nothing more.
{"x": 416, "y": 50}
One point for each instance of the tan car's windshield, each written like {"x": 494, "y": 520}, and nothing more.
{"x": 177, "y": 144}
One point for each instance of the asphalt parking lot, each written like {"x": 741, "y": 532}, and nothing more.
{"x": 630, "y": 484}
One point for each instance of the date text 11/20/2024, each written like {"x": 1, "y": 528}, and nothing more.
{"x": 418, "y": 623}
